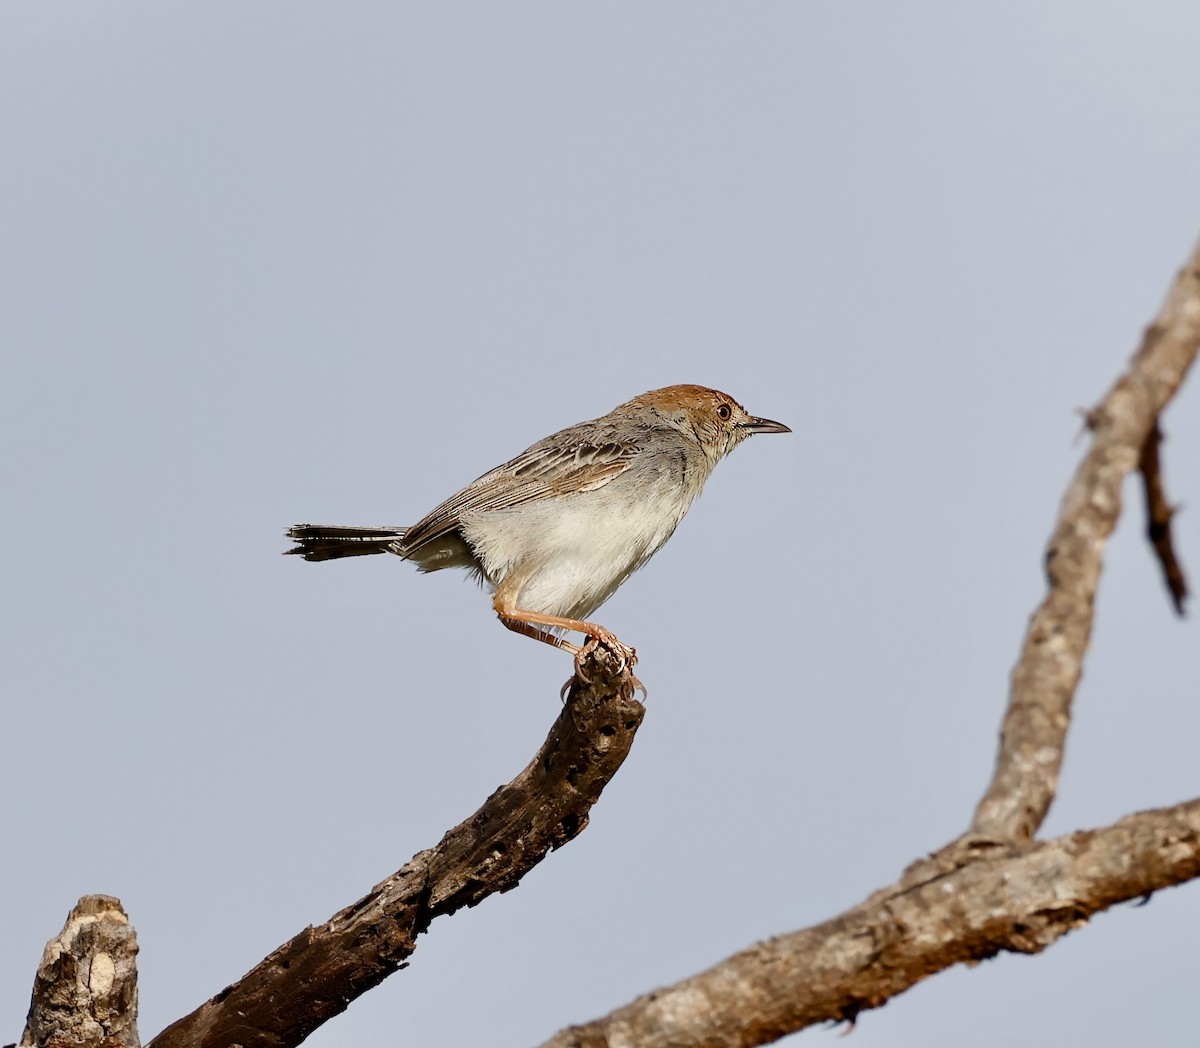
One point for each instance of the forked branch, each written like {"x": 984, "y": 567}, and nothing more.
{"x": 1020, "y": 900}
{"x": 994, "y": 888}
{"x": 1048, "y": 671}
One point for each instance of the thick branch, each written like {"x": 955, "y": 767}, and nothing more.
{"x": 994, "y": 889}
{"x": 1020, "y": 899}
{"x": 322, "y": 970}
{"x": 85, "y": 992}
{"x": 1048, "y": 671}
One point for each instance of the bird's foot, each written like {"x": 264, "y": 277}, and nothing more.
{"x": 626, "y": 659}
{"x": 625, "y": 655}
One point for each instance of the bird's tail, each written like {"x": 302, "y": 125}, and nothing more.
{"x": 329, "y": 542}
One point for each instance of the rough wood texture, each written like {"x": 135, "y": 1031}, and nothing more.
{"x": 318, "y": 973}
{"x": 994, "y": 888}
{"x": 1045, "y": 678}
{"x": 1020, "y": 899}
{"x": 85, "y": 991}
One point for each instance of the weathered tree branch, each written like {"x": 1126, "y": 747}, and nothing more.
{"x": 1048, "y": 671}
{"x": 994, "y": 888}
{"x": 85, "y": 991}
{"x": 319, "y": 972}
{"x": 1023, "y": 898}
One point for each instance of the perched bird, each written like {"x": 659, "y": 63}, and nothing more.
{"x": 557, "y": 529}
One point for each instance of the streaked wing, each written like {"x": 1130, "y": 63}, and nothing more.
{"x": 585, "y": 467}
{"x": 553, "y": 466}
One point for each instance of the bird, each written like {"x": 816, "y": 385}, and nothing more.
{"x": 555, "y": 531}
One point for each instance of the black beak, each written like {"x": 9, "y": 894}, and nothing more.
{"x": 765, "y": 425}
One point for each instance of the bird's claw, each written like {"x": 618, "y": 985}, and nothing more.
{"x": 579, "y": 674}
{"x": 626, "y": 659}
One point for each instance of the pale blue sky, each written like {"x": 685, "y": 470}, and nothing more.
{"x": 273, "y": 262}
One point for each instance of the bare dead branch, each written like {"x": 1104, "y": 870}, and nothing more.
{"x": 319, "y": 972}
{"x": 1158, "y": 519}
{"x": 1048, "y": 671}
{"x": 85, "y": 991}
{"x": 995, "y": 888}
{"x": 1021, "y": 898}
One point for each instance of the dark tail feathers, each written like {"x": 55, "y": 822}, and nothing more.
{"x": 329, "y": 542}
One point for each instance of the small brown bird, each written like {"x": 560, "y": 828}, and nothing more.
{"x": 556, "y": 530}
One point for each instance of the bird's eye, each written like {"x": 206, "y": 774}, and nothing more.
{"x": 724, "y": 412}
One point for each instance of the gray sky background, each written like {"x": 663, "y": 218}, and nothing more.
{"x": 277, "y": 262}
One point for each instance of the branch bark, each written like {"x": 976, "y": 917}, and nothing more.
{"x": 1019, "y": 898}
{"x": 318, "y": 973}
{"x": 994, "y": 888}
{"x": 85, "y": 991}
{"x": 1048, "y": 672}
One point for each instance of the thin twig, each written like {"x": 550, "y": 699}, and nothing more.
{"x": 1158, "y": 519}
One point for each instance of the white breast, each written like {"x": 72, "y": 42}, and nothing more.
{"x": 570, "y": 553}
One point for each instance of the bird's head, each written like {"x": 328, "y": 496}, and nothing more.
{"x": 716, "y": 421}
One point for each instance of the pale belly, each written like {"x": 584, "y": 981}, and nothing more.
{"x": 568, "y": 557}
